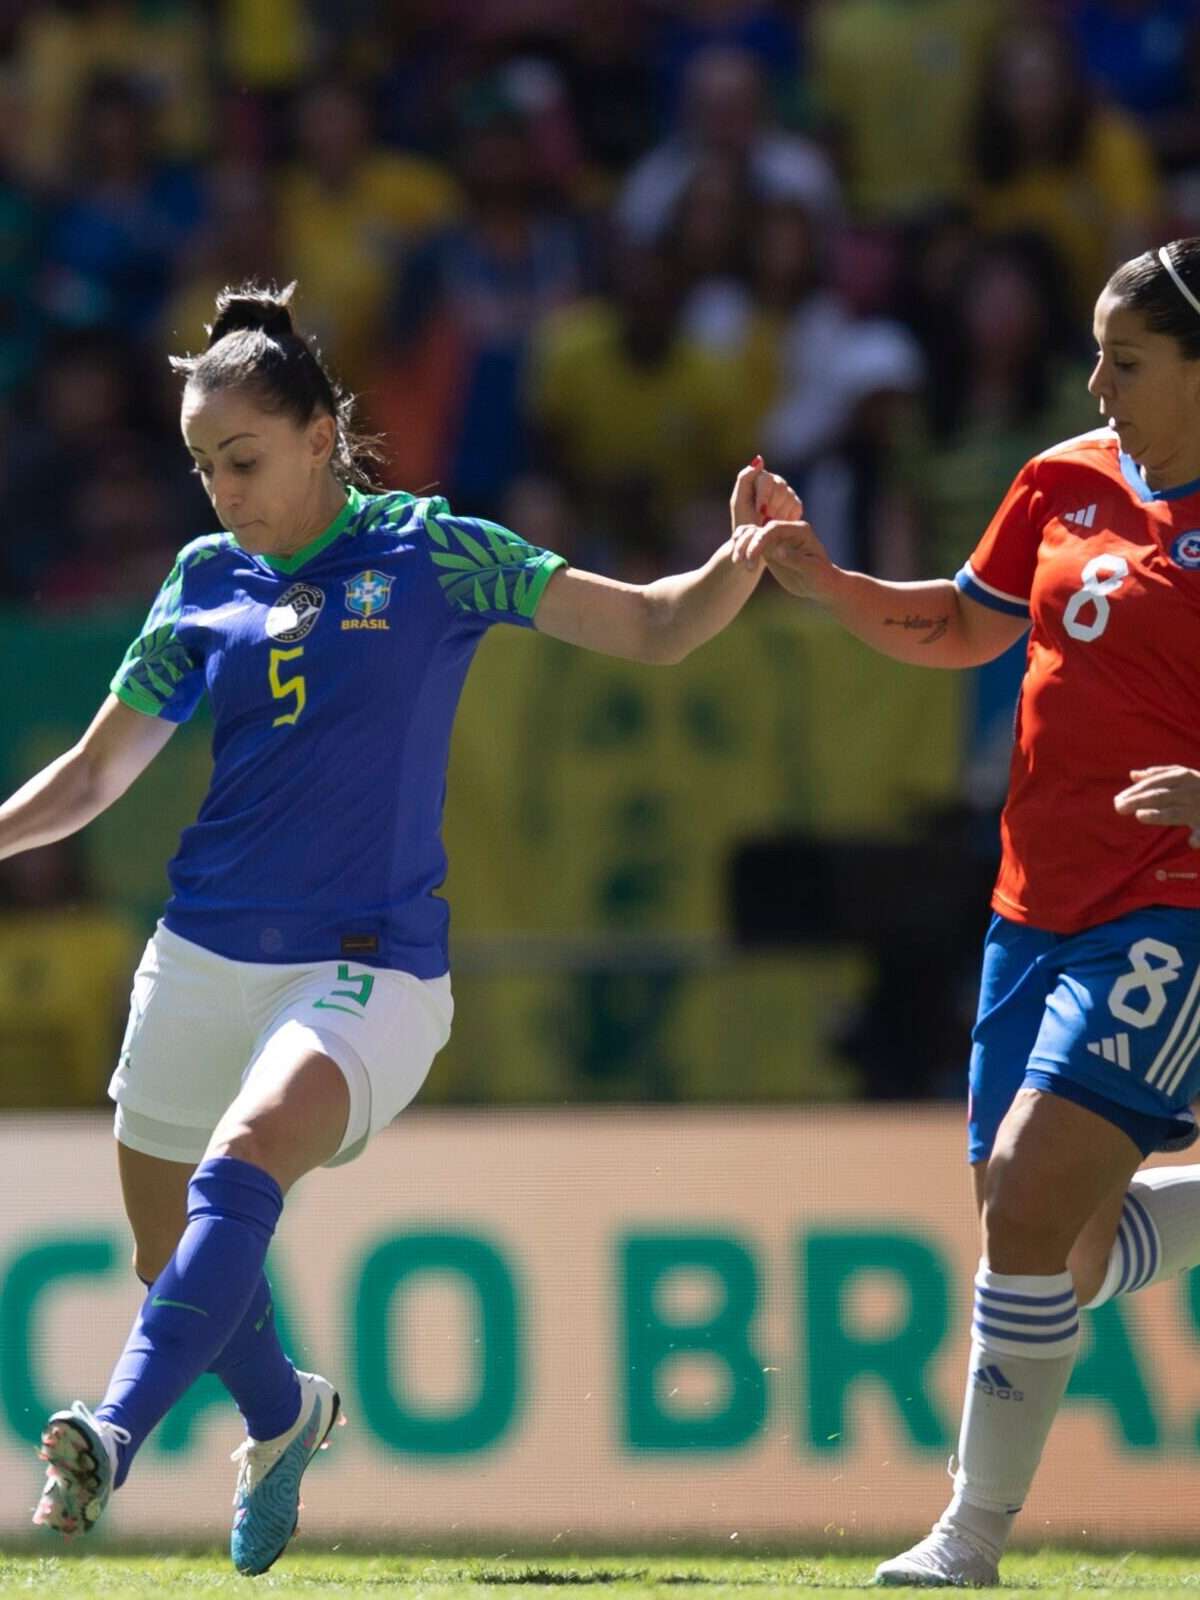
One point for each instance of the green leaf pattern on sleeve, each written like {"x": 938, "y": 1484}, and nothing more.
{"x": 484, "y": 568}
{"x": 156, "y": 663}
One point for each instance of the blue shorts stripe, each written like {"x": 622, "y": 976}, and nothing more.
{"x": 1162, "y": 1067}
{"x": 1188, "y": 1056}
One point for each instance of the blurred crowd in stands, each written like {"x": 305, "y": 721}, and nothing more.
{"x": 579, "y": 258}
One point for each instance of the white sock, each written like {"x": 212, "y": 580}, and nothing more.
{"x": 988, "y": 1528}
{"x": 1158, "y": 1235}
{"x": 1023, "y": 1346}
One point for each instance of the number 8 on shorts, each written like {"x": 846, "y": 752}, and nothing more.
{"x": 1123, "y": 1010}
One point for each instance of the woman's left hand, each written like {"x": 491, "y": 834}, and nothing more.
{"x": 1163, "y": 797}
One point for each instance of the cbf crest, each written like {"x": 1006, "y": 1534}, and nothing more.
{"x": 366, "y": 596}
{"x": 1185, "y": 552}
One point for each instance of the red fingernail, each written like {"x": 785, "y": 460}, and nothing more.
{"x": 757, "y": 463}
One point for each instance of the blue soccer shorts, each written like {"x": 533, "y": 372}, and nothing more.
{"x": 1109, "y": 1018}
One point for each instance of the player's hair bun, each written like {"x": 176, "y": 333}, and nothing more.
{"x": 280, "y": 370}
{"x": 250, "y": 306}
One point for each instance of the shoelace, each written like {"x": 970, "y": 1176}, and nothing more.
{"x": 247, "y": 1459}
{"x": 99, "y": 1425}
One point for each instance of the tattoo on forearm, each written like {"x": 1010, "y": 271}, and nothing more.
{"x": 936, "y": 626}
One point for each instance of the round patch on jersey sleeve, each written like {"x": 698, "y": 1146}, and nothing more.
{"x": 1185, "y": 552}
{"x": 294, "y": 614}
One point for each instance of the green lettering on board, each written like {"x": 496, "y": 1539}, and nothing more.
{"x": 391, "y": 1408}
{"x": 32, "y": 1276}
{"x": 1108, "y": 1371}
{"x": 722, "y": 1337}
{"x": 840, "y": 1357}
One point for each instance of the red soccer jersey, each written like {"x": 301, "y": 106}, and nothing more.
{"x": 1109, "y": 574}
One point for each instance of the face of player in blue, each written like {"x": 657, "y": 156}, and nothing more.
{"x": 1148, "y": 392}
{"x": 268, "y": 478}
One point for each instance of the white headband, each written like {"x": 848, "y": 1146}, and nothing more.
{"x": 1178, "y": 281}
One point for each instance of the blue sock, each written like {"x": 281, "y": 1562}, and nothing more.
{"x": 258, "y": 1375}
{"x": 199, "y": 1299}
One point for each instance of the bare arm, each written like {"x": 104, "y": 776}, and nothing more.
{"x": 62, "y": 798}
{"x": 664, "y": 621}
{"x": 933, "y": 624}
{"x": 658, "y": 622}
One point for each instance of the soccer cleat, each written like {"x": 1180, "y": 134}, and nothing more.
{"x": 80, "y": 1452}
{"x": 267, "y": 1499}
{"x": 944, "y": 1559}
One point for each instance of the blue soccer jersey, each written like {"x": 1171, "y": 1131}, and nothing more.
{"x": 334, "y": 676}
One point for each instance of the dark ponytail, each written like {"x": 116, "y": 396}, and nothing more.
{"x": 253, "y": 346}
{"x": 1145, "y": 286}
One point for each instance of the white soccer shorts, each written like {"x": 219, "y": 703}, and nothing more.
{"x": 200, "y": 1024}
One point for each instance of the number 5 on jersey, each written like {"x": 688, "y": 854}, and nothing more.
{"x": 285, "y": 688}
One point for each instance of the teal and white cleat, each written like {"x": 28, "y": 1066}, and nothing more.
{"x": 944, "y": 1559}
{"x": 80, "y": 1452}
{"x": 267, "y": 1500}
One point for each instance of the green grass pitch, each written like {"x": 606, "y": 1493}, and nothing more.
{"x": 334, "y": 1573}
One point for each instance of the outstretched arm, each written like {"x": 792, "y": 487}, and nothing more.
{"x": 118, "y": 746}
{"x": 658, "y": 622}
{"x": 664, "y": 621}
{"x": 931, "y": 624}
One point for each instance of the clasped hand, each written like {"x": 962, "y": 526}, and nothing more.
{"x": 769, "y": 528}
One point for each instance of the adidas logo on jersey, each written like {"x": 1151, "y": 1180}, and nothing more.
{"x": 1115, "y": 1050}
{"x": 1083, "y": 518}
{"x": 992, "y": 1381}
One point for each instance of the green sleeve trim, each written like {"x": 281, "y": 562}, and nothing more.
{"x": 131, "y": 694}
{"x": 528, "y": 605}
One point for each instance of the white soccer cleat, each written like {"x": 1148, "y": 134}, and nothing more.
{"x": 945, "y": 1559}
{"x": 80, "y": 1452}
{"x": 267, "y": 1499}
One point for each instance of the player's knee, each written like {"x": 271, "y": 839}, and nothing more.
{"x": 1020, "y": 1231}
{"x": 242, "y": 1141}
{"x": 1020, "y": 1234}
{"x": 151, "y": 1256}
{"x": 258, "y": 1144}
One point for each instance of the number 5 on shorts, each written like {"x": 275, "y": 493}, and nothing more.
{"x": 364, "y": 982}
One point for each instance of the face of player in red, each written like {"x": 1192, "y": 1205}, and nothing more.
{"x": 1148, "y": 392}
{"x": 268, "y": 479}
